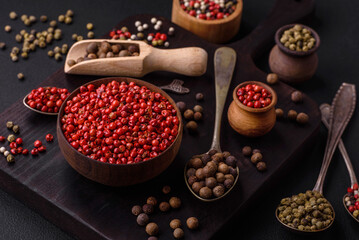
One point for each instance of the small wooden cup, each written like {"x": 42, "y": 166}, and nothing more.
{"x": 119, "y": 174}
{"x": 292, "y": 66}
{"x": 215, "y": 31}
{"x": 252, "y": 122}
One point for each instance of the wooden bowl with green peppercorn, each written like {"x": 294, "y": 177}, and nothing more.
{"x": 113, "y": 174}
{"x": 294, "y": 57}
{"x": 251, "y": 121}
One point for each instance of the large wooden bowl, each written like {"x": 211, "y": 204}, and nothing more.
{"x": 119, "y": 174}
{"x": 215, "y": 31}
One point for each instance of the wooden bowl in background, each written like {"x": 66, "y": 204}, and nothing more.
{"x": 215, "y": 31}
{"x": 252, "y": 122}
{"x": 119, "y": 174}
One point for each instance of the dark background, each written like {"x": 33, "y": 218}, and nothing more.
{"x": 335, "y": 21}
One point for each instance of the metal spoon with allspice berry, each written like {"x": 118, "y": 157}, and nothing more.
{"x": 325, "y": 110}
{"x": 342, "y": 110}
{"x": 224, "y": 63}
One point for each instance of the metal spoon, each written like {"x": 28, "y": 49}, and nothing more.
{"x": 325, "y": 109}
{"x": 35, "y": 110}
{"x": 224, "y": 63}
{"x": 340, "y": 114}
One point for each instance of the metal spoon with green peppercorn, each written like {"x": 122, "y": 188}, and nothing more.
{"x": 190, "y": 61}
{"x": 325, "y": 110}
{"x": 311, "y": 212}
{"x": 226, "y": 172}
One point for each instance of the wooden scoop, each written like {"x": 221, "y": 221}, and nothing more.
{"x": 190, "y": 61}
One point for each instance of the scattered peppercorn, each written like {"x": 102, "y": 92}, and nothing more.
{"x": 164, "y": 206}
{"x": 188, "y": 114}
{"x": 136, "y": 210}
{"x": 148, "y": 208}
{"x": 256, "y": 157}
{"x": 197, "y": 116}
{"x": 247, "y": 151}
{"x": 192, "y": 223}
{"x": 302, "y": 118}
{"x": 11, "y": 138}
{"x": 166, "y": 189}
{"x": 175, "y": 223}
{"x": 2, "y": 138}
{"x": 43, "y": 18}
{"x": 198, "y": 108}
{"x": 261, "y": 166}
{"x": 272, "y": 78}
{"x": 152, "y": 200}
{"x": 192, "y": 126}
{"x": 142, "y": 219}
{"x": 297, "y": 96}
{"x": 13, "y": 15}
{"x": 292, "y": 115}
{"x": 256, "y": 151}
{"x": 7, "y": 28}
{"x": 9, "y": 124}
{"x": 175, "y": 202}
{"x": 199, "y": 96}
{"x": 16, "y": 128}
{"x": 178, "y": 233}
{"x": 279, "y": 113}
{"x": 10, "y": 158}
{"x": 89, "y": 26}
{"x": 20, "y": 76}
{"x": 152, "y": 229}
{"x": 2, "y": 45}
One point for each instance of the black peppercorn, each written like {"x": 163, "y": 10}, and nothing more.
{"x": 148, "y": 208}
{"x": 142, "y": 219}
{"x": 191, "y": 172}
{"x": 133, "y": 48}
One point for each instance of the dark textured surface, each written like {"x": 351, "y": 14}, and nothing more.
{"x": 17, "y": 222}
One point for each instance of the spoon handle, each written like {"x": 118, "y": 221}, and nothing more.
{"x": 325, "y": 110}
{"x": 224, "y": 63}
{"x": 341, "y": 111}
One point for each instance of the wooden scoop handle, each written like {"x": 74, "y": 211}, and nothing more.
{"x": 190, "y": 61}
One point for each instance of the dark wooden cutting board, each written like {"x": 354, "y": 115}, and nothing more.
{"x": 88, "y": 210}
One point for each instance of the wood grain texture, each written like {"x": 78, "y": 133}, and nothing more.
{"x": 190, "y": 61}
{"x": 119, "y": 174}
{"x": 252, "y": 122}
{"x": 88, "y": 210}
{"x": 215, "y": 31}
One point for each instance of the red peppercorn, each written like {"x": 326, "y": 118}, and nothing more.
{"x": 351, "y": 209}
{"x": 49, "y": 137}
{"x": 19, "y": 141}
{"x": 37, "y": 143}
{"x": 25, "y": 152}
{"x": 42, "y": 148}
{"x": 34, "y": 152}
{"x": 13, "y": 145}
{"x": 255, "y": 96}
{"x": 2, "y": 138}
{"x": 13, "y": 151}
{"x": 355, "y": 186}
{"x": 350, "y": 190}
{"x": 47, "y": 100}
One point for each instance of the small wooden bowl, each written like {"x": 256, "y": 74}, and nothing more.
{"x": 215, "y": 31}
{"x": 292, "y": 66}
{"x": 119, "y": 174}
{"x": 252, "y": 122}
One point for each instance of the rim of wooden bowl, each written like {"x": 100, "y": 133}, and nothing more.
{"x": 106, "y": 80}
{"x": 239, "y": 10}
{"x": 35, "y": 110}
{"x": 255, "y": 110}
{"x": 279, "y": 33}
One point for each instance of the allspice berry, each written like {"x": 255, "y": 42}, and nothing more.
{"x": 220, "y": 177}
{"x": 175, "y": 223}
{"x": 279, "y": 113}
{"x": 256, "y": 151}
{"x": 272, "y": 78}
{"x": 192, "y": 126}
{"x": 152, "y": 200}
{"x": 166, "y": 189}
{"x": 197, "y": 116}
{"x": 190, "y": 172}
{"x": 218, "y": 191}
{"x": 148, "y": 208}
{"x": 247, "y": 151}
{"x": 205, "y": 158}
{"x": 181, "y": 106}
{"x": 261, "y": 166}
{"x": 178, "y": 233}
{"x": 192, "y": 223}
{"x": 231, "y": 161}
{"x": 192, "y": 179}
{"x": 257, "y": 157}
{"x": 292, "y": 115}
{"x": 297, "y": 96}
{"x": 302, "y": 118}
{"x": 142, "y": 219}
{"x": 152, "y": 238}
{"x": 199, "y": 96}
{"x": 136, "y": 210}
{"x": 175, "y": 202}
{"x": 223, "y": 168}
{"x": 152, "y": 229}
{"x": 228, "y": 183}
{"x": 164, "y": 206}
{"x": 211, "y": 182}
{"x": 196, "y": 163}
{"x": 198, "y": 108}
{"x": 200, "y": 174}
{"x": 188, "y": 114}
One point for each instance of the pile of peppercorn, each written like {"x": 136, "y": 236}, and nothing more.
{"x": 209, "y": 9}
{"x": 352, "y": 200}
{"x": 47, "y": 99}
{"x": 212, "y": 174}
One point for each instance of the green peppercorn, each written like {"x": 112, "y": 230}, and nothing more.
{"x": 7, "y": 28}
{"x": 74, "y": 36}
{"x": 13, "y": 15}
{"x": 68, "y": 20}
{"x": 50, "y": 53}
{"x": 90, "y": 34}
{"x": 69, "y": 13}
{"x": 43, "y": 18}
{"x": 79, "y": 38}
{"x": 89, "y": 26}
{"x": 53, "y": 23}
{"x": 58, "y": 57}
{"x": 20, "y": 76}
